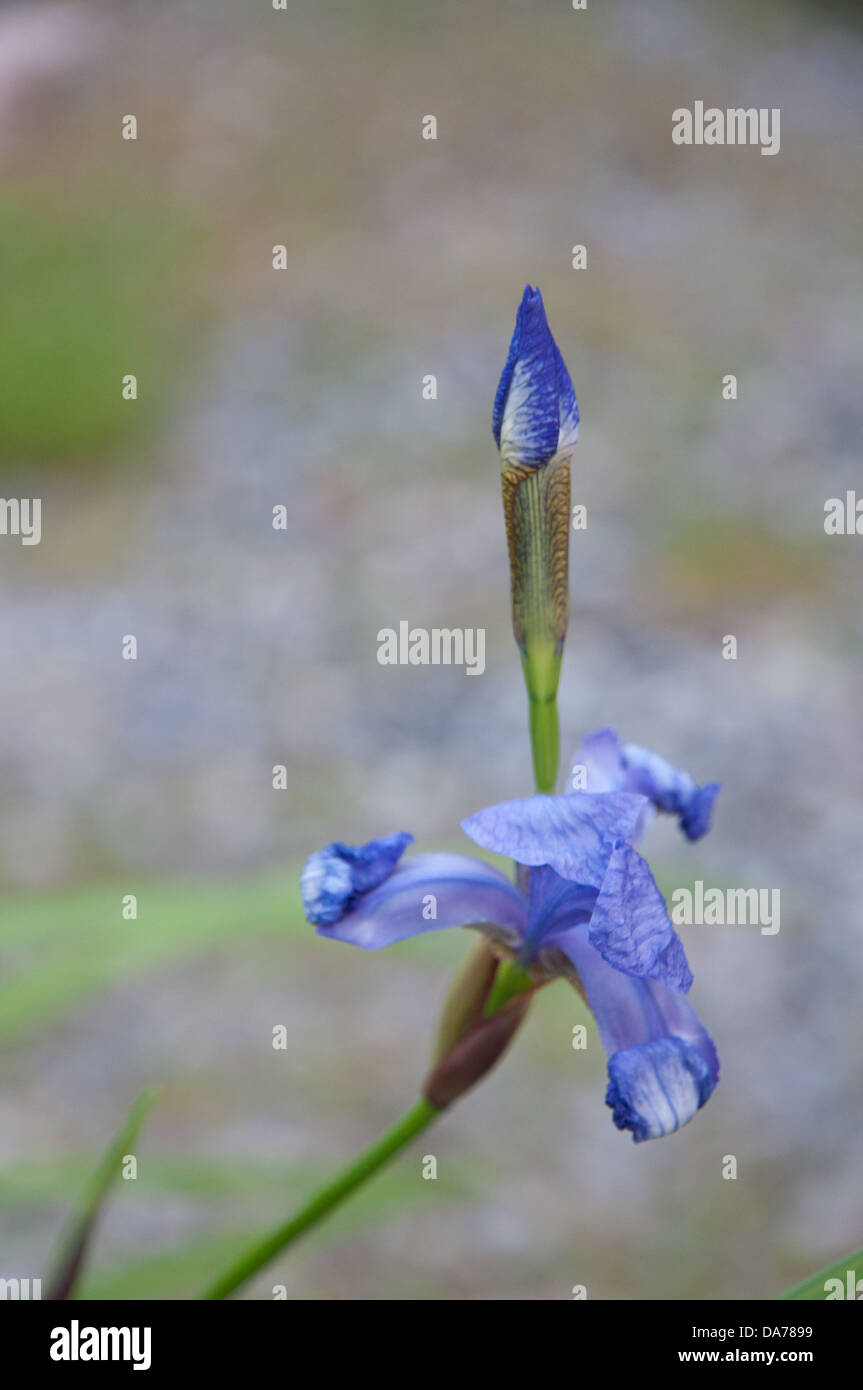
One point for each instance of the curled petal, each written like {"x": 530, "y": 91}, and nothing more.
{"x": 630, "y": 926}
{"x": 429, "y": 892}
{"x": 696, "y": 817}
{"x": 670, "y": 789}
{"x": 334, "y": 877}
{"x": 655, "y": 1088}
{"x": 573, "y": 834}
{"x": 662, "y": 1062}
{"x": 612, "y": 767}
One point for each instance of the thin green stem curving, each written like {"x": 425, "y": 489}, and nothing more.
{"x": 418, "y": 1118}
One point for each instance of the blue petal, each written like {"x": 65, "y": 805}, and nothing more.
{"x": 555, "y": 904}
{"x": 662, "y": 1061}
{"x": 568, "y": 413}
{"x": 535, "y": 411}
{"x": 611, "y": 767}
{"x": 334, "y": 877}
{"x": 695, "y": 820}
{"x": 599, "y": 755}
{"x": 655, "y": 1088}
{"x": 429, "y": 892}
{"x": 630, "y": 926}
{"x": 573, "y": 834}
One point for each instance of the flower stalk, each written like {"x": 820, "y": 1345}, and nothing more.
{"x": 472, "y": 1047}
{"x": 327, "y": 1198}
{"x": 584, "y": 904}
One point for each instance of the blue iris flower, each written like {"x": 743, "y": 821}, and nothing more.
{"x": 591, "y": 911}
{"x": 535, "y": 412}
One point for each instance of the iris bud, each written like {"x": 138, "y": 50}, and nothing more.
{"x": 535, "y": 425}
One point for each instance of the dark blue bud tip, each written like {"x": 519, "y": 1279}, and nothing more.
{"x": 531, "y": 323}
{"x": 531, "y": 298}
{"x": 530, "y": 316}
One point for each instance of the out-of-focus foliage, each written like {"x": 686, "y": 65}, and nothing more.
{"x": 88, "y": 298}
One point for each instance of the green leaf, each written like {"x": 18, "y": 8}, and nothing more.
{"x": 812, "y": 1290}
{"x": 58, "y": 949}
{"x": 77, "y": 1241}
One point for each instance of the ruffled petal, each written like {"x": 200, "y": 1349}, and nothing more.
{"x": 334, "y": 877}
{"x": 662, "y": 1062}
{"x": 655, "y": 1088}
{"x": 669, "y": 788}
{"x": 612, "y": 767}
{"x": 630, "y": 926}
{"x": 696, "y": 818}
{"x": 429, "y": 892}
{"x": 573, "y": 834}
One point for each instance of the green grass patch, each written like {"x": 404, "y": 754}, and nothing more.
{"x": 58, "y": 948}
{"x": 91, "y": 294}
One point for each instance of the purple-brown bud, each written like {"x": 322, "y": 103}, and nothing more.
{"x": 475, "y": 1053}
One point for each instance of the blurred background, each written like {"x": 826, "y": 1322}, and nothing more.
{"x": 258, "y": 647}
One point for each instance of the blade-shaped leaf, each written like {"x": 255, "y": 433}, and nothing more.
{"x": 814, "y": 1290}
{"x": 77, "y": 1240}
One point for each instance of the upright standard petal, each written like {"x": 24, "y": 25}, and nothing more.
{"x": 573, "y": 834}
{"x": 612, "y": 767}
{"x": 535, "y": 413}
{"x": 334, "y": 877}
{"x": 429, "y": 892}
{"x": 662, "y": 1064}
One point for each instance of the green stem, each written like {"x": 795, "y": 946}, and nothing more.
{"x": 509, "y": 981}
{"x": 323, "y": 1202}
{"x": 544, "y": 742}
